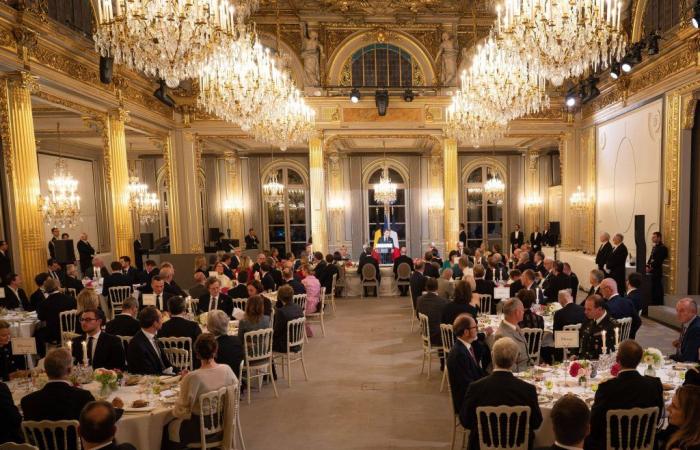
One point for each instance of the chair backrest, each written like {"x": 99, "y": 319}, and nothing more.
{"x": 403, "y": 271}
{"x": 534, "y": 342}
{"x": 16, "y": 446}
{"x": 448, "y": 336}
{"x": 631, "y": 429}
{"x": 117, "y": 294}
{"x": 258, "y": 345}
{"x": 178, "y": 343}
{"x": 625, "y": 328}
{"x": 71, "y": 292}
{"x": 334, "y": 283}
{"x": 179, "y": 358}
{"x": 484, "y": 303}
{"x": 574, "y": 327}
{"x": 212, "y": 407}
{"x": 503, "y": 427}
{"x": 300, "y": 299}
{"x": 239, "y": 303}
{"x": 68, "y": 320}
{"x": 296, "y": 329}
{"x": 424, "y": 329}
{"x": 341, "y": 275}
{"x": 50, "y": 434}
{"x": 369, "y": 273}
{"x": 194, "y": 304}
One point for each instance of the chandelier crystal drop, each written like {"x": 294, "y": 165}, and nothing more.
{"x": 166, "y": 39}
{"x": 61, "y": 207}
{"x": 273, "y": 190}
{"x": 143, "y": 204}
{"x": 578, "y": 202}
{"x": 494, "y": 189}
{"x": 385, "y": 190}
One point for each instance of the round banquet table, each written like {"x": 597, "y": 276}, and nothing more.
{"x": 494, "y": 321}
{"x": 22, "y": 323}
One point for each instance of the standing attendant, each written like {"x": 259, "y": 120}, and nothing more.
{"x": 55, "y": 232}
{"x": 601, "y": 257}
{"x": 251, "y": 240}
{"x": 536, "y": 240}
{"x": 85, "y": 253}
{"x": 655, "y": 268}
{"x": 5, "y": 263}
{"x": 462, "y": 234}
{"x": 516, "y": 238}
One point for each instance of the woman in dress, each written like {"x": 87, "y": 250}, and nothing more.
{"x": 460, "y": 305}
{"x": 221, "y": 276}
{"x": 255, "y": 318}
{"x": 530, "y": 319}
{"x": 209, "y": 377}
{"x": 313, "y": 293}
{"x": 255, "y": 287}
{"x": 200, "y": 265}
{"x": 475, "y": 300}
{"x": 683, "y": 412}
{"x": 9, "y": 363}
{"x": 245, "y": 264}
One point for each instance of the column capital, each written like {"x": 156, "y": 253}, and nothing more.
{"x": 22, "y": 79}
{"x": 119, "y": 114}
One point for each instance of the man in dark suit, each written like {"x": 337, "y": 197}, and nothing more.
{"x": 548, "y": 238}
{"x": 139, "y": 252}
{"x": 628, "y": 390}
{"x": 125, "y": 323}
{"x": 292, "y": 282}
{"x": 130, "y": 271}
{"x": 251, "y": 240}
{"x": 199, "y": 288}
{"x": 58, "y": 399}
{"x": 15, "y": 297}
{"x": 516, "y": 238}
{"x": 616, "y": 262}
{"x": 97, "y": 269}
{"x": 157, "y": 288}
{"x": 115, "y": 279}
{"x": 604, "y": 250}
{"x": 500, "y": 388}
{"x": 228, "y": 265}
{"x": 236, "y": 258}
{"x": 468, "y": 359}
{"x": 495, "y": 271}
{"x": 55, "y": 271}
{"x": 462, "y": 234}
{"x": 214, "y": 299}
{"x": 618, "y": 306}
{"x": 104, "y": 350}
{"x": 598, "y": 320}
{"x": 241, "y": 289}
{"x": 402, "y": 258}
{"x": 484, "y": 286}
{"x": 595, "y": 277}
{"x": 570, "y": 420}
{"x": 517, "y": 283}
{"x": 98, "y": 427}
{"x": 429, "y": 269}
{"x": 85, "y": 253}
{"x": 573, "y": 278}
{"x": 558, "y": 281}
{"x": 179, "y": 325}
{"x": 39, "y": 295}
{"x": 655, "y": 268}
{"x": 48, "y": 312}
{"x": 431, "y": 304}
{"x": 55, "y": 235}
{"x": 11, "y": 423}
{"x": 569, "y": 314}
{"x": 5, "y": 263}
{"x": 266, "y": 277}
{"x": 145, "y": 355}
{"x": 634, "y": 292}
{"x": 688, "y": 343}
{"x": 331, "y": 269}
{"x": 286, "y": 312}
{"x": 539, "y": 260}
{"x": 150, "y": 271}
{"x": 417, "y": 283}
{"x": 536, "y": 239}
{"x": 167, "y": 274}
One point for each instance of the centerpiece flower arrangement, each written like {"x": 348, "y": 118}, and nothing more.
{"x": 551, "y": 308}
{"x": 615, "y": 369}
{"x": 108, "y": 379}
{"x": 654, "y": 359}
{"x": 581, "y": 369}
{"x": 202, "y": 318}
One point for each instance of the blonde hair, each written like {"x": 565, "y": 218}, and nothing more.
{"x": 470, "y": 280}
{"x": 87, "y": 299}
{"x": 245, "y": 262}
{"x": 199, "y": 262}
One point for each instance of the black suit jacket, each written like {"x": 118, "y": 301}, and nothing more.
{"x": 165, "y": 297}
{"x": 515, "y": 287}
{"x": 574, "y": 284}
{"x": 429, "y": 270}
{"x": 516, "y": 242}
{"x": 327, "y": 277}
{"x": 90, "y": 273}
{"x": 557, "y": 283}
{"x": 283, "y": 315}
{"x": 50, "y": 308}
{"x": 180, "y": 327}
{"x": 636, "y": 296}
{"x": 417, "y": 285}
{"x": 85, "y": 253}
{"x": 251, "y": 242}
{"x": 655, "y": 263}
{"x": 620, "y": 307}
{"x": 5, "y": 267}
{"x": 402, "y": 259}
{"x": 12, "y": 301}
{"x": 108, "y": 352}
{"x": 628, "y": 390}
{"x": 55, "y": 401}
{"x": 123, "y": 325}
{"x": 601, "y": 256}
{"x": 225, "y": 304}
{"x": 536, "y": 241}
{"x": 616, "y": 265}
{"x": 10, "y": 425}
{"x": 463, "y": 369}
{"x": 484, "y": 287}
{"x": 142, "y": 358}
{"x": 73, "y": 283}
{"x": 296, "y": 286}
{"x": 173, "y": 289}
{"x": 268, "y": 282}
{"x": 499, "y": 388}
{"x": 240, "y": 291}
{"x": 690, "y": 344}
{"x": 35, "y": 300}
{"x": 230, "y": 352}
{"x": 114, "y": 446}
{"x": 571, "y": 314}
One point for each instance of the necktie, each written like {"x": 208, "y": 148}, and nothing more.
{"x": 91, "y": 342}
{"x": 214, "y": 303}
{"x": 158, "y": 305}
{"x": 680, "y": 340}
{"x": 471, "y": 352}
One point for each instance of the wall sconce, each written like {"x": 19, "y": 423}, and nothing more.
{"x": 436, "y": 204}
{"x": 533, "y": 201}
{"x": 232, "y": 207}
{"x": 336, "y": 204}
{"x": 579, "y": 202}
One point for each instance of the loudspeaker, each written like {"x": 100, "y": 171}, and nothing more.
{"x": 106, "y": 69}
{"x": 236, "y": 242}
{"x": 641, "y": 242}
{"x": 555, "y": 229}
{"x": 213, "y": 234}
{"x": 147, "y": 241}
{"x": 65, "y": 253}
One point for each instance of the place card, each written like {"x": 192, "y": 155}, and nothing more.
{"x": 23, "y": 346}
{"x": 501, "y": 292}
{"x": 566, "y": 339}
{"x": 148, "y": 299}
{"x": 213, "y": 274}
{"x": 2, "y": 292}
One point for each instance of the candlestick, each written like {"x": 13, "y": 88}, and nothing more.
{"x": 85, "y": 355}
{"x": 69, "y": 344}
{"x": 605, "y": 348}
{"x": 617, "y": 336}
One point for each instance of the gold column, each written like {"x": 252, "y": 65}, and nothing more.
{"x": 532, "y": 187}
{"x": 19, "y": 149}
{"x": 319, "y": 225}
{"x": 176, "y": 245}
{"x": 435, "y": 196}
{"x": 234, "y": 193}
{"x": 186, "y": 182}
{"x": 451, "y": 193}
{"x": 337, "y": 203}
{"x": 117, "y": 174}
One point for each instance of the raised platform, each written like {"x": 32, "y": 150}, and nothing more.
{"x": 666, "y": 314}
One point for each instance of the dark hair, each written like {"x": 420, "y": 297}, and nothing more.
{"x": 431, "y": 284}
{"x": 419, "y": 265}
{"x": 150, "y": 262}
{"x": 598, "y": 301}
{"x": 242, "y": 276}
{"x": 540, "y": 254}
{"x": 265, "y": 267}
{"x": 428, "y": 256}
{"x": 54, "y": 229}
{"x": 530, "y": 274}
{"x": 210, "y": 281}
{"x": 206, "y": 346}
{"x": 176, "y": 305}
{"x": 629, "y": 354}
{"x": 463, "y": 292}
{"x": 514, "y": 273}
{"x": 527, "y": 297}
{"x": 148, "y": 316}
{"x": 285, "y": 294}
{"x": 329, "y": 258}
{"x": 100, "y": 428}
{"x": 559, "y": 266}
{"x": 570, "y": 418}
{"x": 50, "y": 262}
{"x": 157, "y": 278}
{"x": 115, "y": 266}
{"x": 461, "y": 226}
{"x": 225, "y": 257}
{"x": 479, "y": 271}
{"x": 635, "y": 279}
{"x": 318, "y": 255}
{"x": 657, "y": 233}
{"x": 99, "y": 314}
{"x": 41, "y": 278}
{"x": 451, "y": 254}
{"x": 461, "y": 324}
{"x": 257, "y": 285}
{"x": 3, "y": 242}
{"x": 125, "y": 259}
{"x": 10, "y": 278}
{"x": 254, "y": 309}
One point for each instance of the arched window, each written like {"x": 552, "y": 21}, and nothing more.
{"x": 396, "y": 214}
{"x": 484, "y": 217}
{"x": 661, "y": 15}
{"x": 383, "y": 65}
{"x": 286, "y": 221}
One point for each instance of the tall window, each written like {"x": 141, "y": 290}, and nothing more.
{"x": 396, "y": 213}
{"x": 381, "y": 65}
{"x": 286, "y": 221}
{"x": 484, "y": 221}
{"x": 661, "y": 15}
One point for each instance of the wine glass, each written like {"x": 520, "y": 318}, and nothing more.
{"x": 549, "y": 384}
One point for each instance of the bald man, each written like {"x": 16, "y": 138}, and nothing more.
{"x": 618, "y": 306}
{"x": 688, "y": 344}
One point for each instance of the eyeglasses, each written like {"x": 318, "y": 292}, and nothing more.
{"x": 86, "y": 319}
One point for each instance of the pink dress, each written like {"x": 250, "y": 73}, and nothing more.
{"x": 313, "y": 293}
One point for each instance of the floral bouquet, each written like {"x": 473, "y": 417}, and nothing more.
{"x": 615, "y": 369}
{"x": 580, "y": 369}
{"x": 551, "y": 308}
{"x": 108, "y": 379}
{"x": 653, "y": 357}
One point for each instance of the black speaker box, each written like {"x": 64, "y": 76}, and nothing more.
{"x": 65, "y": 253}
{"x": 214, "y": 234}
{"x": 555, "y": 229}
{"x": 641, "y": 242}
{"x": 147, "y": 241}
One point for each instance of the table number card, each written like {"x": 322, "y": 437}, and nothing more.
{"x": 149, "y": 299}
{"x": 23, "y": 346}
{"x": 2, "y": 292}
{"x": 501, "y": 292}
{"x": 566, "y": 339}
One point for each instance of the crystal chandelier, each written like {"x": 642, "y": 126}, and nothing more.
{"x": 143, "y": 204}
{"x": 166, "y": 39}
{"x": 273, "y": 190}
{"x": 385, "y": 190}
{"x": 494, "y": 189}
{"x": 578, "y": 202}
{"x": 61, "y": 207}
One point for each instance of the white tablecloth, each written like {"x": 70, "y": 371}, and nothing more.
{"x": 22, "y": 324}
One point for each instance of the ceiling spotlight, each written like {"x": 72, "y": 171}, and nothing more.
{"x": 615, "y": 70}
{"x": 633, "y": 57}
{"x": 571, "y": 97}
{"x": 162, "y": 94}
{"x": 592, "y": 90}
{"x": 355, "y": 95}
{"x": 653, "y": 43}
{"x": 408, "y": 95}
{"x": 381, "y": 99}
{"x": 695, "y": 20}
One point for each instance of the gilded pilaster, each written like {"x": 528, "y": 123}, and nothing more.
{"x": 319, "y": 226}
{"x": 337, "y": 204}
{"x": 117, "y": 171}
{"x": 532, "y": 187}
{"x": 185, "y": 179}
{"x": 671, "y": 161}
{"x": 435, "y": 198}
{"x": 19, "y": 149}
{"x": 166, "y": 146}
{"x": 235, "y": 193}
{"x": 450, "y": 193}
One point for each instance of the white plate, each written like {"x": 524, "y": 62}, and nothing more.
{"x": 149, "y": 408}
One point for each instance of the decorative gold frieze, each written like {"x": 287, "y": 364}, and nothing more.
{"x": 27, "y": 42}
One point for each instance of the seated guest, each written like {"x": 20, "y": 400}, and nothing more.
{"x": 417, "y": 283}
{"x": 515, "y": 282}
{"x": 211, "y": 376}
{"x": 254, "y": 318}
{"x": 688, "y": 344}
{"x": 496, "y": 271}
{"x": 286, "y": 311}
{"x": 634, "y": 293}
{"x": 48, "y": 312}
{"x": 331, "y": 269}
{"x": 628, "y": 390}
{"x": 266, "y": 278}
{"x": 256, "y": 288}
{"x": 501, "y": 388}
{"x": 167, "y": 274}
{"x": 199, "y": 289}
{"x": 145, "y": 355}
{"x": 104, "y": 350}
{"x": 224, "y": 280}
{"x": 179, "y": 325}
{"x": 245, "y": 266}
{"x": 201, "y": 266}
{"x": 569, "y": 314}
{"x": 468, "y": 359}
{"x": 214, "y": 299}
{"x": 72, "y": 280}
{"x": 39, "y": 295}
{"x": 460, "y": 305}
{"x": 597, "y": 320}
{"x": 58, "y": 399}
{"x": 127, "y": 269}
{"x": 9, "y": 364}
{"x": 55, "y": 271}
{"x": 87, "y": 299}
{"x": 432, "y": 305}
{"x": 366, "y": 258}
{"x": 483, "y": 286}
{"x": 402, "y": 258}
{"x": 125, "y": 323}
{"x": 459, "y": 269}
{"x": 230, "y": 347}
{"x": 595, "y": 278}
{"x": 115, "y": 279}
{"x": 158, "y": 290}
{"x": 540, "y": 267}
{"x": 292, "y": 282}
{"x": 513, "y": 312}
{"x": 313, "y": 290}
{"x": 97, "y": 427}
{"x": 446, "y": 288}
{"x": 570, "y": 420}
{"x": 226, "y": 260}
{"x": 530, "y": 319}
{"x": 556, "y": 282}
{"x": 476, "y": 299}
{"x": 11, "y": 423}
{"x": 430, "y": 270}
{"x": 15, "y": 297}
{"x": 573, "y": 279}
{"x": 241, "y": 290}
{"x": 618, "y": 306}
{"x": 151, "y": 270}
{"x": 684, "y": 415}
